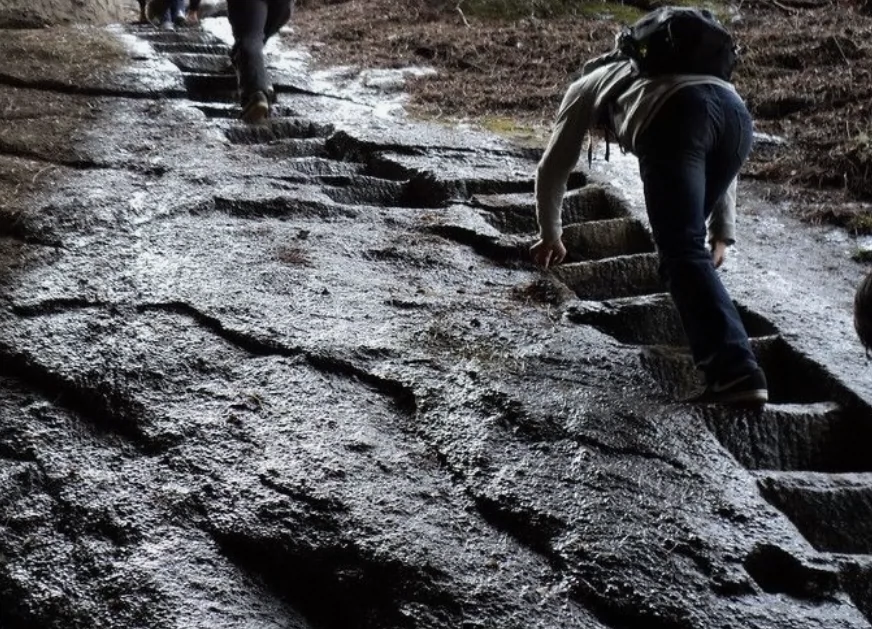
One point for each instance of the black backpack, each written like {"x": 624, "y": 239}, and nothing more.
{"x": 670, "y": 40}
{"x": 673, "y": 40}
{"x": 679, "y": 40}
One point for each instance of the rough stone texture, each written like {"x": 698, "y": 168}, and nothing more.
{"x": 301, "y": 376}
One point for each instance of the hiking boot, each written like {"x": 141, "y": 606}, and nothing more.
{"x": 746, "y": 388}
{"x": 155, "y": 9}
{"x": 180, "y": 19}
{"x": 256, "y": 108}
{"x": 167, "y": 26}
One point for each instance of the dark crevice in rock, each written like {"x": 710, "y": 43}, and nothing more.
{"x": 202, "y": 63}
{"x": 402, "y": 395}
{"x": 82, "y": 164}
{"x": 336, "y": 584}
{"x": 605, "y": 448}
{"x": 9, "y": 453}
{"x": 55, "y": 306}
{"x": 778, "y": 572}
{"x": 425, "y": 190}
{"x": 92, "y": 397}
{"x": 530, "y": 528}
{"x": 327, "y": 505}
{"x": 509, "y": 254}
{"x": 284, "y": 88}
{"x": 626, "y": 611}
{"x": 584, "y": 202}
{"x": 857, "y": 581}
{"x": 279, "y": 208}
{"x": 794, "y": 377}
{"x": 8, "y": 150}
{"x": 50, "y": 85}
{"x": 247, "y": 342}
{"x": 12, "y": 227}
{"x": 512, "y": 414}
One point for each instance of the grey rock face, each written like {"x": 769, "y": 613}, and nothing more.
{"x": 303, "y": 375}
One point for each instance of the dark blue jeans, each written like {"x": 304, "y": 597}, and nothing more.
{"x": 174, "y": 8}
{"x": 253, "y": 23}
{"x": 688, "y": 156}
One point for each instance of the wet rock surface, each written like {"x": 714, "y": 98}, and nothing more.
{"x": 302, "y": 375}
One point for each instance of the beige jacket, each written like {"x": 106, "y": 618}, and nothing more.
{"x": 637, "y": 100}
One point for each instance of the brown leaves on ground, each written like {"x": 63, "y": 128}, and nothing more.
{"x": 806, "y": 71}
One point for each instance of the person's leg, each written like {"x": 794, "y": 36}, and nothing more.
{"x": 732, "y": 144}
{"x": 166, "y": 19}
{"x": 279, "y": 14}
{"x": 673, "y": 155}
{"x": 247, "y": 20}
{"x": 177, "y": 9}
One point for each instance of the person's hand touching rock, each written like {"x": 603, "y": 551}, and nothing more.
{"x": 546, "y": 254}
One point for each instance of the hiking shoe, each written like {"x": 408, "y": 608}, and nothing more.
{"x": 256, "y": 108}
{"x": 746, "y": 388}
{"x": 167, "y": 26}
{"x": 155, "y": 9}
{"x": 180, "y": 19}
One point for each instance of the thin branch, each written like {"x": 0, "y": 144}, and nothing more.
{"x": 462, "y": 16}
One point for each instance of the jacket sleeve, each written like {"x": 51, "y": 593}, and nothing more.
{"x": 564, "y": 148}
{"x": 722, "y": 220}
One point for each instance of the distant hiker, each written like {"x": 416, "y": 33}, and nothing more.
{"x": 253, "y": 22}
{"x": 167, "y": 14}
{"x": 664, "y": 94}
{"x": 863, "y": 313}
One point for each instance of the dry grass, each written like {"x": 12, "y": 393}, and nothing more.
{"x": 69, "y": 55}
{"x": 806, "y": 69}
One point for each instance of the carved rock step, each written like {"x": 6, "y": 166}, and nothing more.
{"x": 792, "y": 378}
{"x": 192, "y": 47}
{"x": 516, "y": 213}
{"x": 821, "y": 437}
{"x": 277, "y": 129}
{"x": 832, "y": 511}
{"x": 182, "y": 36}
{"x": 594, "y": 240}
{"x": 200, "y": 63}
{"x": 204, "y": 86}
{"x": 649, "y": 320}
{"x": 621, "y": 276}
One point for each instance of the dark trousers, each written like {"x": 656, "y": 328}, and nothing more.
{"x": 175, "y": 8}
{"x": 688, "y": 156}
{"x": 253, "y": 23}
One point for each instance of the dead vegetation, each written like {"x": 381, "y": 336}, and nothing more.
{"x": 806, "y": 73}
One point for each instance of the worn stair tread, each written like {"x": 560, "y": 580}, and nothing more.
{"x": 814, "y": 481}
{"x": 617, "y": 276}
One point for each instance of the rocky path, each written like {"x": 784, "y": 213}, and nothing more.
{"x": 301, "y": 375}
